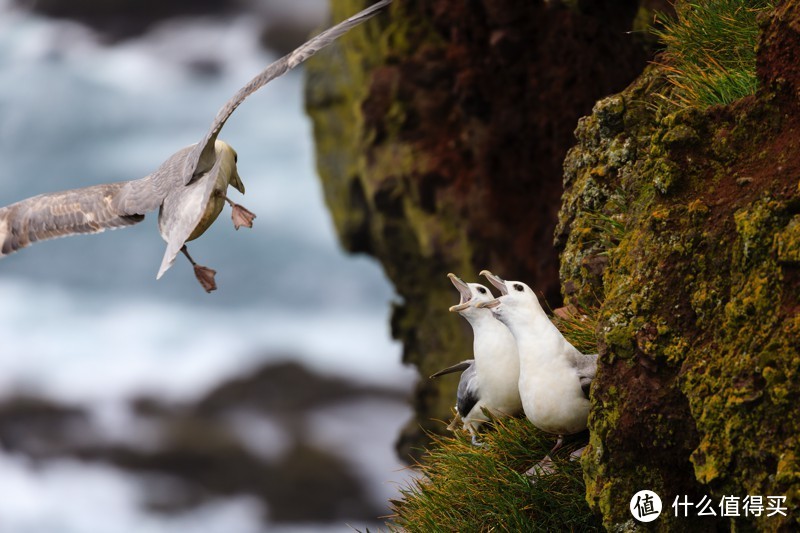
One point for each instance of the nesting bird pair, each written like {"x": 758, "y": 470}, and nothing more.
{"x": 522, "y": 361}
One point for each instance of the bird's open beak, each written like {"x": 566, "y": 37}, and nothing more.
{"x": 497, "y": 281}
{"x": 489, "y": 304}
{"x": 463, "y": 291}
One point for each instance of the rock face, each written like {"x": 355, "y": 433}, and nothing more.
{"x": 117, "y": 19}
{"x": 441, "y": 132}
{"x": 696, "y": 215}
{"x": 440, "y": 146}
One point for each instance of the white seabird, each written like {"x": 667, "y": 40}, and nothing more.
{"x": 554, "y": 376}
{"x": 490, "y": 380}
{"x": 189, "y": 188}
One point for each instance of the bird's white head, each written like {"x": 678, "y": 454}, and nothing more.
{"x": 517, "y": 300}
{"x": 470, "y": 294}
{"x": 228, "y": 159}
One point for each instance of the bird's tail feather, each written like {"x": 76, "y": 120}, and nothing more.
{"x": 169, "y": 259}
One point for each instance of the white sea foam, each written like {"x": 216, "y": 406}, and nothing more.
{"x": 92, "y": 349}
{"x": 69, "y": 496}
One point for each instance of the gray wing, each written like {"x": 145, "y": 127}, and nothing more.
{"x": 202, "y": 157}
{"x": 59, "y": 214}
{"x": 467, "y": 394}
{"x": 585, "y": 366}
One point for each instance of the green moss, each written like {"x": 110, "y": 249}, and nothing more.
{"x": 696, "y": 302}
{"x": 787, "y": 243}
{"x": 680, "y": 135}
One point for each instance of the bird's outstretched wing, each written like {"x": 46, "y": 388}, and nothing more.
{"x": 59, "y": 214}
{"x": 201, "y": 158}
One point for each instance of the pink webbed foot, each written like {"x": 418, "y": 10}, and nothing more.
{"x": 203, "y": 274}
{"x": 240, "y": 215}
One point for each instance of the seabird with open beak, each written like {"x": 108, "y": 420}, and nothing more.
{"x": 490, "y": 380}
{"x": 189, "y": 188}
{"x": 554, "y": 376}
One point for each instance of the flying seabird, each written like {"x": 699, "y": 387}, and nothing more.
{"x": 189, "y": 188}
{"x": 554, "y": 376}
{"x": 490, "y": 380}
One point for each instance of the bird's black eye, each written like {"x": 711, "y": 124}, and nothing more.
{"x": 481, "y": 290}
{"x": 235, "y": 158}
{"x": 518, "y": 287}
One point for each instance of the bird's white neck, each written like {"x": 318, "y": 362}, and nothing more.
{"x": 538, "y": 339}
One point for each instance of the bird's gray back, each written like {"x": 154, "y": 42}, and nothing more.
{"x": 585, "y": 364}
{"x": 147, "y": 194}
{"x": 586, "y": 367}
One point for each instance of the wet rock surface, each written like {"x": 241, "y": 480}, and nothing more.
{"x": 117, "y": 20}
{"x": 248, "y": 436}
{"x": 120, "y": 19}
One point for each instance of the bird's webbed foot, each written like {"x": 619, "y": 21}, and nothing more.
{"x": 240, "y": 215}
{"x": 453, "y": 426}
{"x": 545, "y": 467}
{"x": 203, "y": 274}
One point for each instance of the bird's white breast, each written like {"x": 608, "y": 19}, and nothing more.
{"x": 497, "y": 364}
{"x": 549, "y": 386}
{"x": 553, "y": 399}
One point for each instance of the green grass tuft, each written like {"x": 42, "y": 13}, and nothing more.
{"x": 710, "y": 50}
{"x": 462, "y": 487}
{"x": 579, "y": 326}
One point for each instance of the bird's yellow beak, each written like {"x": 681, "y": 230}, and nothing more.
{"x": 463, "y": 291}
{"x": 489, "y": 304}
{"x": 497, "y": 281}
{"x": 236, "y": 181}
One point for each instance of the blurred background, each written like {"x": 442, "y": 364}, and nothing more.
{"x": 128, "y": 404}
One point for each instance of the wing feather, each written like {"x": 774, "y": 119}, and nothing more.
{"x": 458, "y": 367}
{"x": 586, "y": 368}
{"x": 467, "y": 394}
{"x": 202, "y": 156}
{"x": 60, "y": 214}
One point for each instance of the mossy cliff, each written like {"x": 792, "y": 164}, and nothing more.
{"x": 441, "y": 144}
{"x": 441, "y": 131}
{"x": 694, "y": 218}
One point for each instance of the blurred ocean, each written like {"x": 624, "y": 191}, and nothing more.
{"x": 83, "y": 319}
